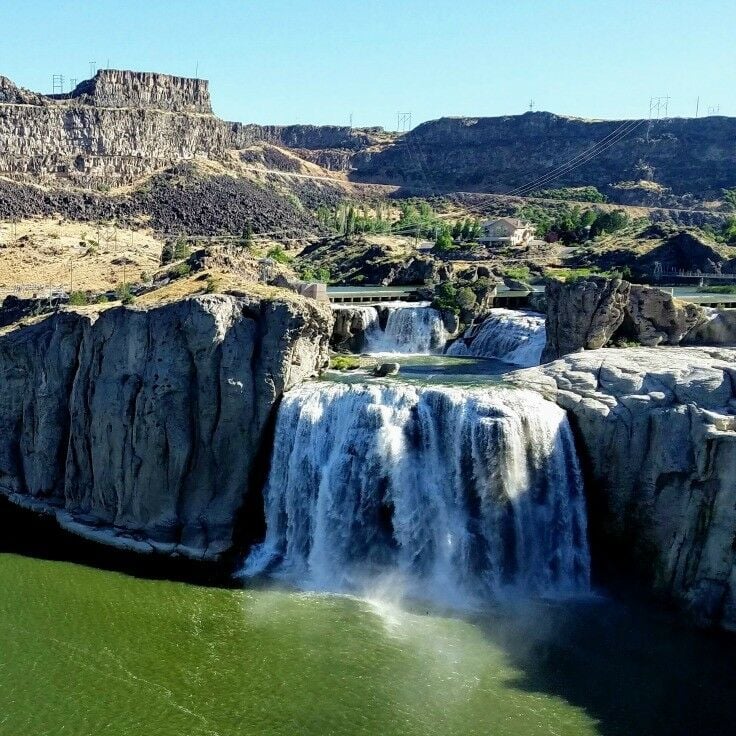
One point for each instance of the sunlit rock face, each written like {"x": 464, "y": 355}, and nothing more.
{"x": 139, "y": 427}
{"x": 657, "y": 428}
{"x": 465, "y": 494}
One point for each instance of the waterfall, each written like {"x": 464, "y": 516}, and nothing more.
{"x": 410, "y": 328}
{"x": 468, "y": 494}
{"x": 508, "y": 335}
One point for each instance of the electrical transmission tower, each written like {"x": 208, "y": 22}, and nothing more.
{"x": 403, "y": 121}
{"x": 658, "y": 107}
{"x": 531, "y": 105}
{"x": 57, "y": 84}
{"x": 714, "y": 110}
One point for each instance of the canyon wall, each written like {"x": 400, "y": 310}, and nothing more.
{"x": 500, "y": 153}
{"x": 122, "y": 124}
{"x": 657, "y": 433}
{"x": 139, "y": 427}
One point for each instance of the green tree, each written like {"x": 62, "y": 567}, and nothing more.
{"x": 443, "y": 241}
{"x": 465, "y": 298}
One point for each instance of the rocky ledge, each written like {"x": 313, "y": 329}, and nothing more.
{"x": 657, "y": 431}
{"x": 140, "y": 428}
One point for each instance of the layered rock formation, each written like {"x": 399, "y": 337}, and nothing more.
{"x": 657, "y": 429}
{"x": 498, "y": 154}
{"x": 139, "y": 427}
{"x": 589, "y": 313}
{"x": 583, "y": 315}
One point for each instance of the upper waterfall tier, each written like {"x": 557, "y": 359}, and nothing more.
{"x": 408, "y": 329}
{"x": 506, "y": 334}
{"x": 464, "y": 493}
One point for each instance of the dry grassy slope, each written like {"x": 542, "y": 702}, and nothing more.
{"x": 50, "y": 252}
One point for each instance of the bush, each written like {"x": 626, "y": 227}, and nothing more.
{"x": 344, "y": 363}
{"x": 465, "y": 298}
{"x": 212, "y": 286}
{"x": 179, "y": 271}
{"x": 78, "y": 299}
{"x": 278, "y": 254}
{"x": 124, "y": 293}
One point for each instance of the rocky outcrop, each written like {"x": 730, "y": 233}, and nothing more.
{"x": 123, "y": 88}
{"x": 718, "y": 328}
{"x": 657, "y": 429}
{"x": 351, "y": 323}
{"x": 583, "y": 315}
{"x": 654, "y": 317}
{"x": 139, "y": 427}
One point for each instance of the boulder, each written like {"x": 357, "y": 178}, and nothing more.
{"x": 654, "y": 317}
{"x": 386, "y": 369}
{"x": 657, "y": 432}
{"x": 718, "y": 328}
{"x": 139, "y": 427}
{"x": 583, "y": 314}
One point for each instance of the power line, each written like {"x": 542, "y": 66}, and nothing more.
{"x": 579, "y": 155}
{"x": 578, "y": 160}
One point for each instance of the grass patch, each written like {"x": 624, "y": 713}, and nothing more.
{"x": 344, "y": 363}
{"x": 717, "y": 289}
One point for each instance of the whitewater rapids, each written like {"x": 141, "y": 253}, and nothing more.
{"x": 513, "y": 336}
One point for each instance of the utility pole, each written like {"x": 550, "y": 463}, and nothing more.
{"x": 92, "y": 67}
{"x": 697, "y": 106}
{"x": 657, "y": 108}
{"x": 531, "y": 105}
{"x": 351, "y": 121}
{"x": 403, "y": 121}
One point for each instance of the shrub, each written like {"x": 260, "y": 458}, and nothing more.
{"x": 212, "y": 286}
{"x": 179, "y": 270}
{"x": 78, "y": 299}
{"x": 344, "y": 363}
{"x": 278, "y": 254}
{"x": 124, "y": 293}
{"x": 465, "y": 298}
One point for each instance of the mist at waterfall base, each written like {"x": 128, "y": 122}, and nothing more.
{"x": 453, "y": 495}
{"x": 513, "y": 336}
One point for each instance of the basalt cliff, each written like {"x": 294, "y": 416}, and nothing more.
{"x": 138, "y": 427}
{"x": 657, "y": 433}
{"x": 121, "y": 125}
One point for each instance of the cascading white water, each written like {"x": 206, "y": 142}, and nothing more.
{"x": 465, "y": 493}
{"x": 410, "y": 328}
{"x": 511, "y": 336}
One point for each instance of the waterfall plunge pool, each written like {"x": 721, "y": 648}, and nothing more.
{"x": 86, "y": 651}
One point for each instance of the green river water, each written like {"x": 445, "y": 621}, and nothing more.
{"x": 86, "y": 651}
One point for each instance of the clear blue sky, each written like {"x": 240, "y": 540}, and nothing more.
{"x": 289, "y": 61}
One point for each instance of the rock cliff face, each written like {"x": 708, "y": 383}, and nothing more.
{"x": 587, "y": 314}
{"x": 497, "y": 154}
{"x": 583, "y": 315}
{"x": 139, "y": 427}
{"x": 658, "y": 431}
{"x": 122, "y": 88}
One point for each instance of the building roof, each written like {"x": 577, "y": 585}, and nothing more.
{"x": 510, "y": 223}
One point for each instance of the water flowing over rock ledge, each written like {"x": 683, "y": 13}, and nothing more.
{"x": 658, "y": 430}
{"x": 138, "y": 427}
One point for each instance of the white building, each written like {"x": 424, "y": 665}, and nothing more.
{"x": 506, "y": 231}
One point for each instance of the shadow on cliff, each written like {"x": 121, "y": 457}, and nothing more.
{"x": 633, "y": 669}
{"x": 26, "y": 533}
